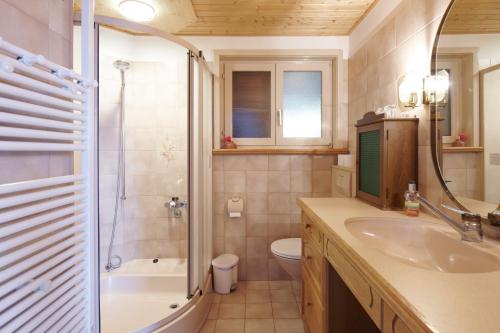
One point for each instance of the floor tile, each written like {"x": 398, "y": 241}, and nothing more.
{"x": 257, "y": 285}
{"x": 258, "y": 310}
{"x": 259, "y": 326}
{"x": 232, "y": 311}
{"x": 214, "y": 311}
{"x": 286, "y": 310}
{"x": 236, "y": 297}
{"x": 275, "y": 285}
{"x": 282, "y": 295}
{"x": 258, "y": 296}
{"x": 289, "y": 325}
{"x": 230, "y": 326}
{"x": 209, "y": 326}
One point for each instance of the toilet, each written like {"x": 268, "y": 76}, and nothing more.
{"x": 288, "y": 252}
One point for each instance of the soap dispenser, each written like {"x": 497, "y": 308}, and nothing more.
{"x": 412, "y": 205}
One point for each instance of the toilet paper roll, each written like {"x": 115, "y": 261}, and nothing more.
{"x": 235, "y": 207}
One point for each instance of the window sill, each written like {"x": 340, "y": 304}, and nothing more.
{"x": 463, "y": 149}
{"x": 281, "y": 151}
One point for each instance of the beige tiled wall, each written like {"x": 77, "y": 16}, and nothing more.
{"x": 269, "y": 185}
{"x": 464, "y": 171}
{"x": 402, "y": 44}
{"x": 43, "y": 27}
{"x": 156, "y": 155}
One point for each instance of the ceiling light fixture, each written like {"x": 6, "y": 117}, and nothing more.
{"x": 136, "y": 10}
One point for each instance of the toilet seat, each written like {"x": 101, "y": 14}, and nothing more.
{"x": 289, "y": 248}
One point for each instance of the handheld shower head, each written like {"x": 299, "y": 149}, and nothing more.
{"x": 121, "y": 65}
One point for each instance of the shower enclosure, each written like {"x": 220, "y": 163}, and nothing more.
{"x": 154, "y": 106}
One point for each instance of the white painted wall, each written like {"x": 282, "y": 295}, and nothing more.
{"x": 210, "y": 43}
{"x": 370, "y": 24}
{"x": 488, "y": 45}
{"x": 491, "y": 136}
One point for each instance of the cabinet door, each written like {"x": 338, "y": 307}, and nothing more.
{"x": 314, "y": 313}
{"x": 392, "y": 323}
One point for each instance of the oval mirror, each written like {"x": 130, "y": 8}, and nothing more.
{"x": 463, "y": 93}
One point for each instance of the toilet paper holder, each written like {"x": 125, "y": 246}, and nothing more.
{"x": 235, "y": 206}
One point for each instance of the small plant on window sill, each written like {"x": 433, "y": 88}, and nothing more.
{"x": 229, "y": 143}
{"x": 460, "y": 141}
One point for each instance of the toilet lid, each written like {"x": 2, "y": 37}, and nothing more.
{"x": 290, "y": 248}
{"x": 225, "y": 261}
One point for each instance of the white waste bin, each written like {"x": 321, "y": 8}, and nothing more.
{"x": 225, "y": 273}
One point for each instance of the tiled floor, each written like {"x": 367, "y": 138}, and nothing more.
{"x": 257, "y": 307}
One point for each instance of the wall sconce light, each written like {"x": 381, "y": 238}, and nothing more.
{"x": 410, "y": 88}
{"x": 436, "y": 88}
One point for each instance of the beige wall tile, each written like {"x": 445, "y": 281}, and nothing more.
{"x": 257, "y": 225}
{"x": 301, "y": 181}
{"x": 257, "y": 203}
{"x": 257, "y": 247}
{"x": 235, "y": 163}
{"x": 257, "y": 162}
{"x": 322, "y": 163}
{"x": 322, "y": 181}
{"x": 235, "y": 245}
{"x": 257, "y": 269}
{"x": 278, "y": 203}
{"x": 279, "y": 163}
{"x": 301, "y": 163}
{"x": 257, "y": 182}
{"x": 234, "y": 181}
{"x": 278, "y": 181}
{"x": 235, "y": 227}
{"x": 218, "y": 181}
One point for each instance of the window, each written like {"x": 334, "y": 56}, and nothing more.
{"x": 284, "y": 103}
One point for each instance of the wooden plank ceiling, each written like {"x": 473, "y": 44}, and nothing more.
{"x": 473, "y": 17}
{"x": 276, "y": 17}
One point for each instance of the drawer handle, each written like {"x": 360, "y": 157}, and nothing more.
{"x": 371, "y": 298}
{"x": 308, "y": 226}
{"x": 393, "y": 324}
{"x": 309, "y": 304}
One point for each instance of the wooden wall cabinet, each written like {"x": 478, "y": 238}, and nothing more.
{"x": 337, "y": 297}
{"x": 386, "y": 159}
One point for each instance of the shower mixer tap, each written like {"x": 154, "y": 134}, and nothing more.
{"x": 175, "y": 206}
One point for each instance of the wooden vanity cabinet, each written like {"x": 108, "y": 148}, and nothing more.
{"x": 336, "y": 296}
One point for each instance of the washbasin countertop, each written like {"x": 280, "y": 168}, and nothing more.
{"x": 445, "y": 302}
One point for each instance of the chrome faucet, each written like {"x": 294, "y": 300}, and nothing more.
{"x": 494, "y": 217}
{"x": 470, "y": 228}
{"x": 175, "y": 206}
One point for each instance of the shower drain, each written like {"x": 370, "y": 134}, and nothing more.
{"x": 174, "y": 306}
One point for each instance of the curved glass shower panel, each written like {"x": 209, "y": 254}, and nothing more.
{"x": 143, "y": 178}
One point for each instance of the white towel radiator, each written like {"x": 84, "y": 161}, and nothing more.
{"x": 47, "y": 251}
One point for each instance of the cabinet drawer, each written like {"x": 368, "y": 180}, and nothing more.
{"x": 310, "y": 229}
{"x": 312, "y": 261}
{"x": 364, "y": 293}
{"x": 314, "y": 312}
{"x": 392, "y": 323}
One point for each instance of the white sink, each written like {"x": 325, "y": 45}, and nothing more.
{"x": 422, "y": 244}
